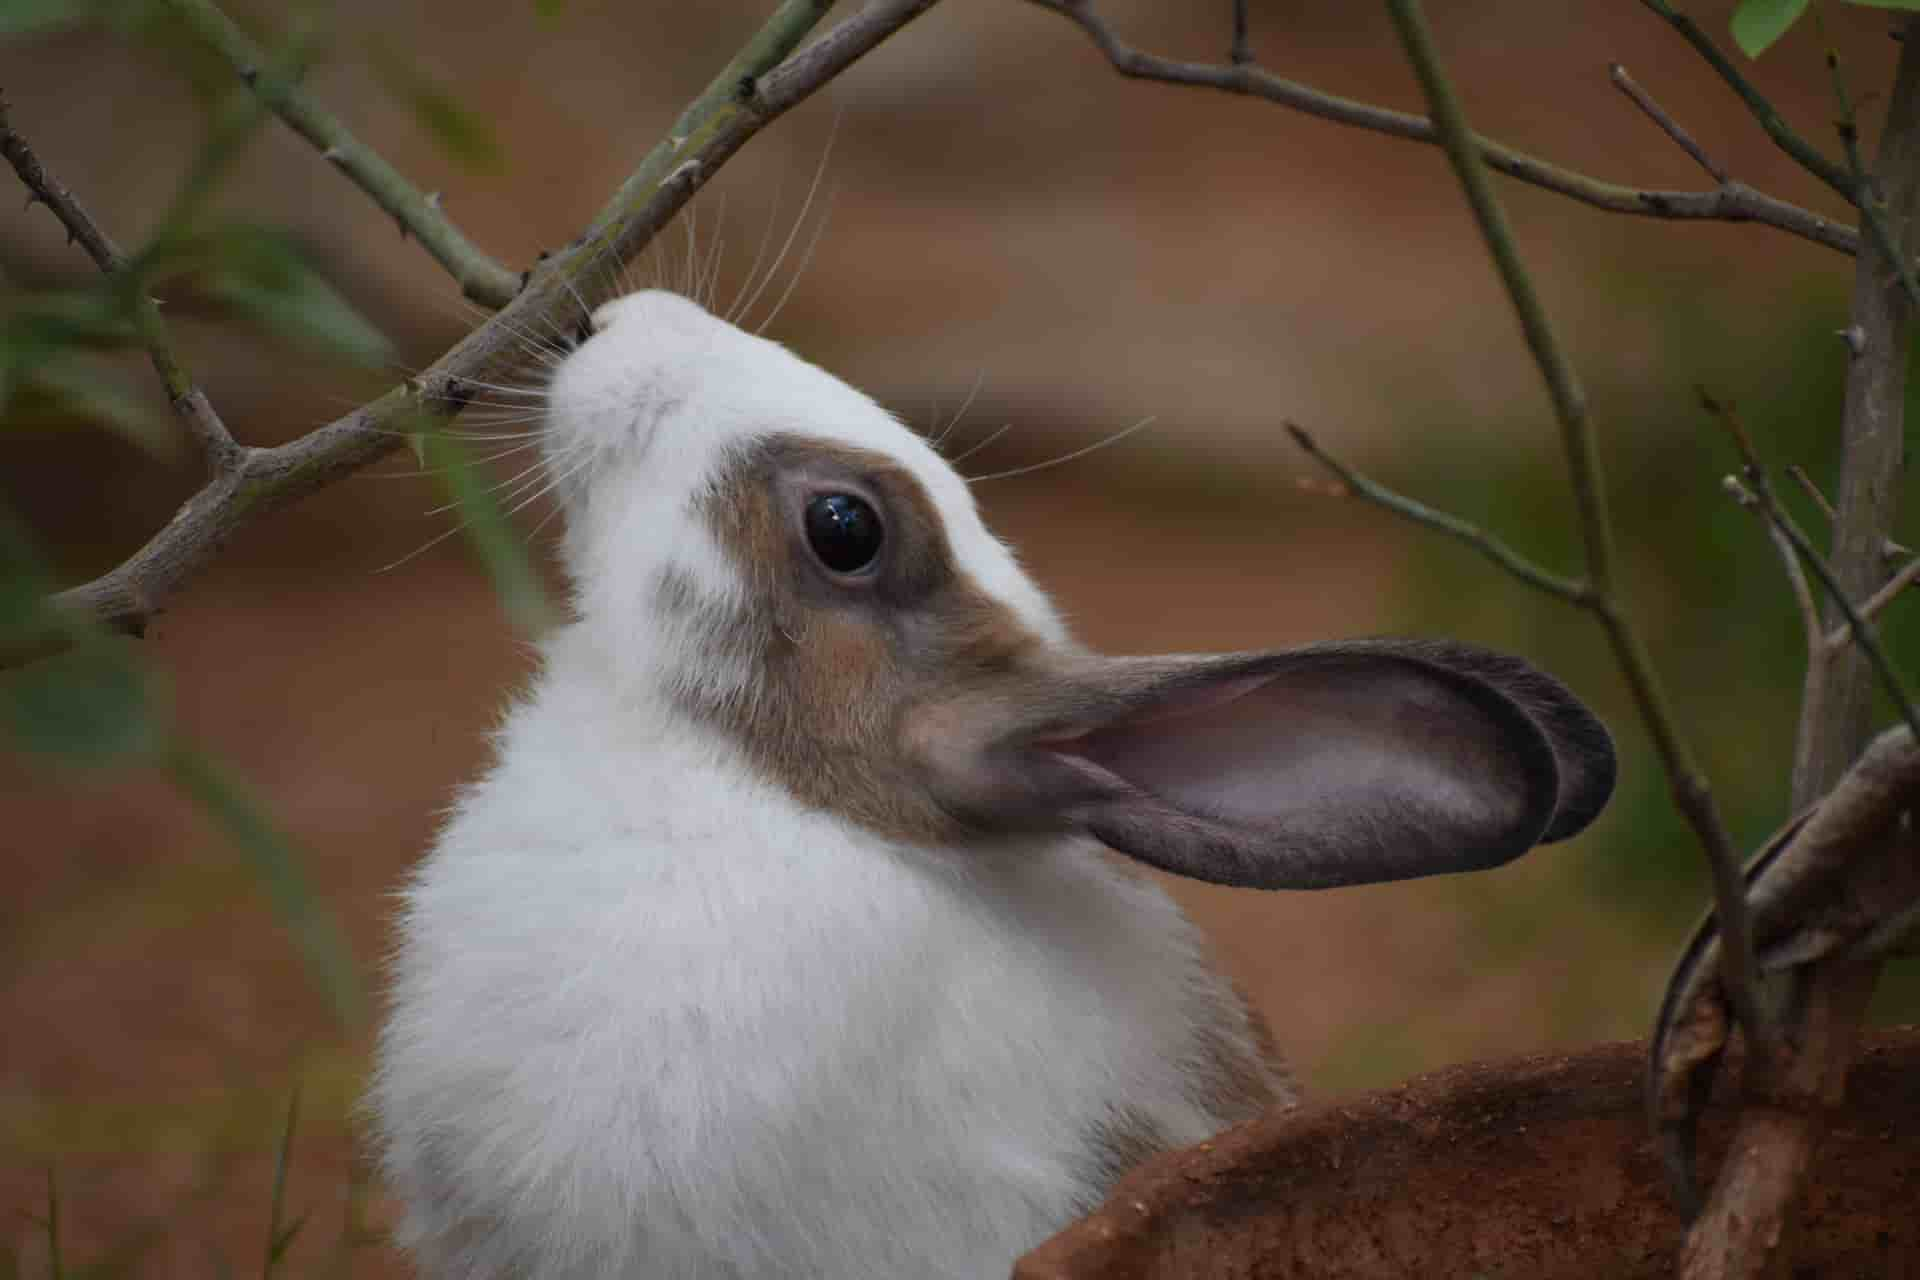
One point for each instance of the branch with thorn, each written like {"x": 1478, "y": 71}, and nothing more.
{"x": 713, "y": 127}
{"x": 1730, "y": 201}
{"x": 189, "y": 403}
{"x": 418, "y": 213}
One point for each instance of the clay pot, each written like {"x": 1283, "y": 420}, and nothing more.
{"x": 1539, "y": 1167}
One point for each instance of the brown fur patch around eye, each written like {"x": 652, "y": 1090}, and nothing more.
{"x": 818, "y": 672}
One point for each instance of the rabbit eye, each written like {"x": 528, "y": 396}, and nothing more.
{"x": 844, "y": 531}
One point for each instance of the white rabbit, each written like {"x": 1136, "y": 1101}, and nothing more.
{"x": 784, "y": 936}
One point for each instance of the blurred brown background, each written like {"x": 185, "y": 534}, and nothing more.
{"x": 1004, "y": 211}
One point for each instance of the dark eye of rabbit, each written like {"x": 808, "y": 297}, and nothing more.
{"x": 844, "y": 531}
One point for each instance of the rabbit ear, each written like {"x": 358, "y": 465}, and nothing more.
{"x": 1332, "y": 765}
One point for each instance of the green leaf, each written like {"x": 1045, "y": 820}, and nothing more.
{"x": 490, "y": 531}
{"x": 548, "y": 8}
{"x": 465, "y": 135}
{"x": 1758, "y": 23}
{"x": 232, "y": 806}
{"x": 77, "y": 389}
{"x": 91, "y": 705}
{"x": 280, "y": 1239}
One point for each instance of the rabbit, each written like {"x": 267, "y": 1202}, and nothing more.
{"x": 789, "y": 934}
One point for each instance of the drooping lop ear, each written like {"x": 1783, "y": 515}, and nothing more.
{"x": 1330, "y": 765}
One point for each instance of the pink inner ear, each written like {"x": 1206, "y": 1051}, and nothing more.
{"x": 1273, "y": 751}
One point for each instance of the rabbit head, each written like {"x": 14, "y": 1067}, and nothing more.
{"x": 766, "y": 550}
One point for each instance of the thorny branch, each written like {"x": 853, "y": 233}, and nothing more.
{"x": 418, "y": 213}
{"x": 1731, "y": 201}
{"x": 758, "y": 86}
{"x": 189, "y": 403}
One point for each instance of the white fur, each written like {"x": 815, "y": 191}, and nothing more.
{"x": 654, "y": 1018}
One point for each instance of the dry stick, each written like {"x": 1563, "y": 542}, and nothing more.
{"x": 418, "y": 213}
{"x": 1747, "y": 1224}
{"x": 1691, "y": 793}
{"x": 753, "y": 90}
{"x": 189, "y": 403}
{"x": 1671, "y": 127}
{"x": 1730, "y": 202}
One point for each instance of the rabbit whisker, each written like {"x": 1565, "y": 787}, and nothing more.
{"x": 1095, "y": 447}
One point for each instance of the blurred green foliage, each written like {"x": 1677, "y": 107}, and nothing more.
{"x": 1756, "y": 24}
{"x": 90, "y": 700}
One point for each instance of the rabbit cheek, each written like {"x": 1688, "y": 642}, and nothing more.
{"x": 826, "y": 669}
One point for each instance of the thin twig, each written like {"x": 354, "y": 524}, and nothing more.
{"x": 1668, "y": 125}
{"x": 1889, "y": 548}
{"x": 418, "y": 213}
{"x": 1862, "y": 630}
{"x": 1816, "y": 639}
{"x": 80, "y": 227}
{"x": 761, "y": 84}
{"x": 1804, "y": 153}
{"x": 1242, "y": 52}
{"x": 1730, "y": 202}
{"x": 189, "y": 403}
{"x": 1692, "y": 795}
{"x": 1454, "y": 527}
{"x": 1906, "y": 577}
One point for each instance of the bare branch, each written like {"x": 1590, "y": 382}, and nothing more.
{"x": 1861, "y": 629}
{"x": 1242, "y": 52}
{"x": 1668, "y": 125}
{"x": 418, "y": 213}
{"x": 188, "y": 402}
{"x": 1866, "y": 192}
{"x": 1907, "y": 577}
{"x": 755, "y": 89}
{"x": 1692, "y": 796}
{"x": 1492, "y": 548}
{"x": 1889, "y": 548}
{"x": 1730, "y": 202}
{"x": 1789, "y": 1095}
{"x": 1804, "y": 153}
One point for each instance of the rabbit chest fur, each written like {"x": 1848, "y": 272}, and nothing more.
{"x": 784, "y": 936}
{"x": 654, "y": 1018}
